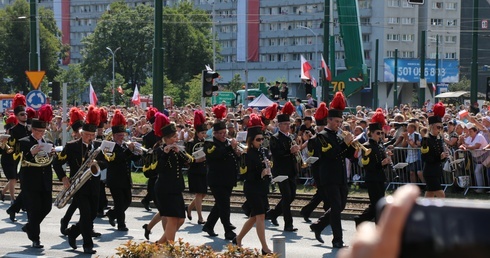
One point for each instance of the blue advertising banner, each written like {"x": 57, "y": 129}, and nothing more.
{"x": 409, "y": 70}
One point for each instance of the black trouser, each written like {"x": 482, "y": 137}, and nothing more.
{"x": 122, "y": 200}
{"x": 288, "y": 193}
{"x": 337, "y": 198}
{"x": 38, "y": 204}
{"x": 87, "y": 204}
{"x": 150, "y": 190}
{"x": 71, "y": 210}
{"x": 376, "y": 191}
{"x": 17, "y": 204}
{"x": 221, "y": 208}
{"x": 102, "y": 198}
{"x": 315, "y": 200}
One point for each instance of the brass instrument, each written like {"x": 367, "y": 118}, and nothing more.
{"x": 183, "y": 154}
{"x": 356, "y": 145}
{"x": 42, "y": 159}
{"x": 298, "y": 156}
{"x": 138, "y": 148}
{"x": 88, "y": 169}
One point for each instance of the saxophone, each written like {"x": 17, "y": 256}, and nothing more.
{"x": 88, "y": 169}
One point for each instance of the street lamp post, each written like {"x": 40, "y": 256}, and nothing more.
{"x": 113, "y": 53}
{"x": 316, "y": 53}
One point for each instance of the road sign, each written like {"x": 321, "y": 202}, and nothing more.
{"x": 35, "y": 77}
{"x": 221, "y": 96}
{"x": 5, "y": 104}
{"x": 484, "y": 24}
{"x": 35, "y": 99}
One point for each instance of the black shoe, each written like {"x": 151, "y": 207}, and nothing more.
{"x": 96, "y": 234}
{"x": 2, "y": 196}
{"x": 265, "y": 253}
{"x": 305, "y": 216}
{"x": 63, "y": 226}
{"x": 274, "y": 221}
{"x": 230, "y": 235}
{"x": 37, "y": 244}
{"x": 234, "y": 241}
{"x": 231, "y": 227}
{"x": 123, "y": 228}
{"x": 146, "y": 204}
{"x": 318, "y": 233}
{"x": 112, "y": 220}
{"x": 11, "y": 215}
{"x": 189, "y": 215}
{"x": 72, "y": 241}
{"x": 210, "y": 232}
{"x": 147, "y": 232}
{"x": 290, "y": 229}
{"x": 89, "y": 250}
{"x": 100, "y": 214}
{"x": 201, "y": 222}
{"x": 339, "y": 245}
{"x": 358, "y": 221}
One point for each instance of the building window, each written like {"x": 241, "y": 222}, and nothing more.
{"x": 393, "y": 20}
{"x": 390, "y": 54}
{"x": 408, "y": 20}
{"x": 451, "y": 6}
{"x": 452, "y": 22}
{"x": 393, "y": 3}
{"x": 407, "y": 37}
{"x": 450, "y": 55}
{"x": 405, "y": 4}
{"x": 366, "y": 38}
{"x": 365, "y": 21}
{"x": 451, "y": 39}
{"x": 436, "y": 22}
{"x": 367, "y": 54}
{"x": 437, "y": 5}
{"x": 393, "y": 37}
{"x": 408, "y": 54}
{"x": 339, "y": 55}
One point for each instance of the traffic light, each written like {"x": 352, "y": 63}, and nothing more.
{"x": 208, "y": 83}
{"x": 416, "y": 1}
{"x": 55, "y": 91}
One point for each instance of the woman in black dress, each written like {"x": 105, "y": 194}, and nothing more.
{"x": 198, "y": 169}
{"x": 170, "y": 183}
{"x": 8, "y": 163}
{"x": 256, "y": 185}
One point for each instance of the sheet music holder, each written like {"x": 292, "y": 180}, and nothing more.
{"x": 241, "y": 136}
{"x": 198, "y": 154}
{"x": 400, "y": 165}
{"x": 107, "y": 146}
{"x": 311, "y": 160}
{"x": 279, "y": 179}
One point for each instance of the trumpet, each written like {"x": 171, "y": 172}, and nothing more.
{"x": 183, "y": 153}
{"x": 298, "y": 156}
{"x": 138, "y": 148}
{"x": 355, "y": 144}
{"x": 241, "y": 147}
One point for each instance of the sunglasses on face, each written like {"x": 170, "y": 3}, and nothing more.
{"x": 379, "y": 133}
{"x": 22, "y": 114}
{"x": 259, "y": 139}
{"x": 439, "y": 127}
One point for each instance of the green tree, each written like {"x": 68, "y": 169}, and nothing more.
{"x": 463, "y": 85}
{"x": 195, "y": 90}
{"x": 76, "y": 83}
{"x": 236, "y": 83}
{"x": 14, "y": 42}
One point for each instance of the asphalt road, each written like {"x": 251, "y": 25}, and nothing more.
{"x": 14, "y": 242}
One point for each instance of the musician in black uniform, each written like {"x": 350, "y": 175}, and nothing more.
{"x": 7, "y": 161}
{"x": 103, "y": 202}
{"x": 149, "y": 140}
{"x": 222, "y": 158}
{"x": 374, "y": 164}
{"x": 19, "y": 131}
{"x": 333, "y": 175}
{"x": 198, "y": 170}
{"x": 434, "y": 153}
{"x": 170, "y": 183}
{"x": 86, "y": 199}
{"x": 37, "y": 180}
{"x": 256, "y": 185}
{"x": 119, "y": 172}
{"x": 76, "y": 123}
{"x": 285, "y": 163}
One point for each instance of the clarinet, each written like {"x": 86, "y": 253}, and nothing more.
{"x": 267, "y": 165}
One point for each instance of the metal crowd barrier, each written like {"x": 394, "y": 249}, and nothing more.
{"x": 406, "y": 168}
{"x": 473, "y": 172}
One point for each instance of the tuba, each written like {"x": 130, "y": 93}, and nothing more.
{"x": 88, "y": 169}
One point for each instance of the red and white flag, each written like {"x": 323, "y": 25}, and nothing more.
{"x": 136, "y": 97}
{"x": 326, "y": 70}
{"x": 305, "y": 69}
{"x": 120, "y": 90}
{"x": 434, "y": 88}
{"x": 92, "y": 96}
{"x": 313, "y": 82}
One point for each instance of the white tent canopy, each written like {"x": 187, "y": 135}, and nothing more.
{"x": 261, "y": 101}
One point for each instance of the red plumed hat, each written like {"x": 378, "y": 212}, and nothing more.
{"x": 75, "y": 116}
{"x": 19, "y": 103}
{"x": 31, "y": 113}
{"x": 162, "y": 126}
{"x": 439, "y": 112}
{"x": 377, "y": 122}
{"x": 118, "y": 122}
{"x": 321, "y": 114}
{"x": 288, "y": 108}
{"x": 255, "y": 126}
{"x": 92, "y": 119}
{"x": 199, "y": 121}
{"x": 337, "y": 105}
{"x": 150, "y": 114}
{"x": 45, "y": 116}
{"x": 11, "y": 120}
{"x": 270, "y": 112}
{"x": 219, "y": 111}
{"x": 103, "y": 117}
{"x": 379, "y": 110}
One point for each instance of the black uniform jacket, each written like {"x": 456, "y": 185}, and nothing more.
{"x": 119, "y": 167}
{"x": 34, "y": 178}
{"x": 372, "y": 162}
{"x": 169, "y": 168}
{"x": 254, "y": 183}
{"x": 332, "y": 152}
{"x": 196, "y": 168}
{"x": 16, "y": 133}
{"x": 75, "y": 154}
{"x": 432, "y": 147}
{"x": 283, "y": 162}
{"x": 222, "y": 163}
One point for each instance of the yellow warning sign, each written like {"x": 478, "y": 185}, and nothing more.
{"x": 35, "y": 77}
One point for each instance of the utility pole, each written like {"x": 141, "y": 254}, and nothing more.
{"x": 158, "y": 57}
{"x": 33, "y": 51}
{"x": 326, "y": 45}
{"x": 474, "y": 59}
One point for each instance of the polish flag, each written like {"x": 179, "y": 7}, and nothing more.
{"x": 326, "y": 70}
{"x": 92, "y": 96}
{"x": 120, "y": 90}
{"x": 136, "y": 97}
{"x": 305, "y": 69}
{"x": 313, "y": 82}
{"x": 434, "y": 88}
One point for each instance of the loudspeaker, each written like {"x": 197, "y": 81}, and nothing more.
{"x": 55, "y": 91}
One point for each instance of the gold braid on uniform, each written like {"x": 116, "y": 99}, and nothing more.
{"x": 325, "y": 145}
{"x": 243, "y": 164}
{"x": 425, "y": 147}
